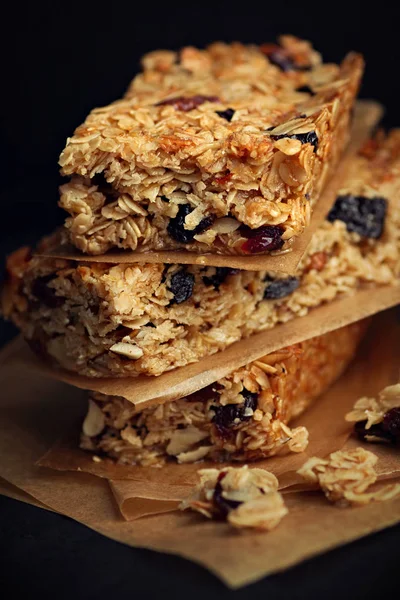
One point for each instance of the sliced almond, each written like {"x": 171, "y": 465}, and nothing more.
{"x": 94, "y": 421}
{"x": 128, "y": 350}
{"x": 226, "y": 225}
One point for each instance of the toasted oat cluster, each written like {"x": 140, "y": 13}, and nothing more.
{"x": 346, "y": 476}
{"x": 225, "y": 150}
{"x": 378, "y": 419}
{"x": 243, "y": 497}
{"x": 242, "y": 417}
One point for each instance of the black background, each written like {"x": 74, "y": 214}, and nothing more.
{"x": 59, "y": 60}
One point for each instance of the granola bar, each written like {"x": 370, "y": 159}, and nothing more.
{"x": 242, "y": 417}
{"x": 101, "y": 319}
{"x": 224, "y": 150}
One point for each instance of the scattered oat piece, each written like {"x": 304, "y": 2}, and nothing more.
{"x": 378, "y": 419}
{"x": 244, "y": 497}
{"x": 345, "y": 477}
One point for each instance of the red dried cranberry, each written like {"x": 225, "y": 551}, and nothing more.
{"x": 365, "y": 216}
{"x": 181, "y": 285}
{"x": 391, "y": 422}
{"x": 187, "y": 103}
{"x": 221, "y": 273}
{"x": 226, "y": 114}
{"x": 45, "y": 294}
{"x": 263, "y": 239}
{"x": 176, "y": 226}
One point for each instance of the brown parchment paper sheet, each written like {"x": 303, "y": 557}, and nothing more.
{"x": 366, "y": 116}
{"x": 375, "y": 366}
{"x": 144, "y": 391}
{"x": 35, "y": 411}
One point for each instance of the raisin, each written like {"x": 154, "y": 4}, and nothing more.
{"x": 221, "y": 273}
{"x": 279, "y": 288}
{"x": 224, "y": 505}
{"x": 305, "y": 89}
{"x": 305, "y": 138}
{"x": 226, "y": 114}
{"x": 208, "y": 393}
{"x": 181, "y": 285}
{"x": 280, "y": 58}
{"x": 268, "y": 237}
{"x": 375, "y": 431}
{"x": 176, "y": 226}
{"x": 187, "y": 103}
{"x": 365, "y": 216}
{"x": 226, "y": 415}
{"x": 391, "y": 423}
{"x": 45, "y": 294}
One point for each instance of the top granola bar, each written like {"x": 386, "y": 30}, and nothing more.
{"x": 222, "y": 150}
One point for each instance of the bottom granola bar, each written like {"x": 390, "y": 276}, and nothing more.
{"x": 242, "y": 417}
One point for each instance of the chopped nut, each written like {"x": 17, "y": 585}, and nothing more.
{"x": 128, "y": 350}
{"x": 182, "y": 440}
{"x": 94, "y": 421}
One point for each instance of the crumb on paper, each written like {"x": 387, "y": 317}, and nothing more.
{"x": 378, "y": 419}
{"x": 243, "y": 497}
{"x": 96, "y": 459}
{"x": 346, "y": 476}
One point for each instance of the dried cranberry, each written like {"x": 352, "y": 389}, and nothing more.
{"x": 226, "y": 114}
{"x": 181, "y": 285}
{"x": 187, "y": 103}
{"x": 45, "y": 294}
{"x": 279, "y": 288}
{"x": 176, "y": 226}
{"x": 224, "y": 505}
{"x": 221, "y": 273}
{"x": 365, "y": 216}
{"x": 391, "y": 423}
{"x": 375, "y": 431}
{"x": 304, "y": 138}
{"x": 305, "y": 89}
{"x": 263, "y": 239}
{"x": 225, "y": 416}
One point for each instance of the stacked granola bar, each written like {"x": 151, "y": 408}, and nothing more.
{"x": 224, "y": 150}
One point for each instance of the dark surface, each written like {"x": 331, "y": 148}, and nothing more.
{"x": 58, "y": 61}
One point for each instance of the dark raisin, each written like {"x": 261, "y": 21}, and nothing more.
{"x": 305, "y": 89}
{"x": 181, "y": 285}
{"x": 176, "y": 226}
{"x": 187, "y": 103}
{"x": 280, "y": 58}
{"x": 374, "y": 433}
{"x": 391, "y": 423}
{"x": 221, "y": 273}
{"x": 224, "y": 505}
{"x": 45, "y": 294}
{"x": 210, "y": 392}
{"x": 263, "y": 239}
{"x": 365, "y": 216}
{"x": 279, "y": 288}
{"x": 226, "y": 114}
{"x": 225, "y": 416}
{"x": 305, "y": 138}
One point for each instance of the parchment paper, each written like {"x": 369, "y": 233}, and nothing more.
{"x": 144, "y": 391}
{"x": 35, "y": 411}
{"x": 366, "y": 115}
{"x": 375, "y": 366}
